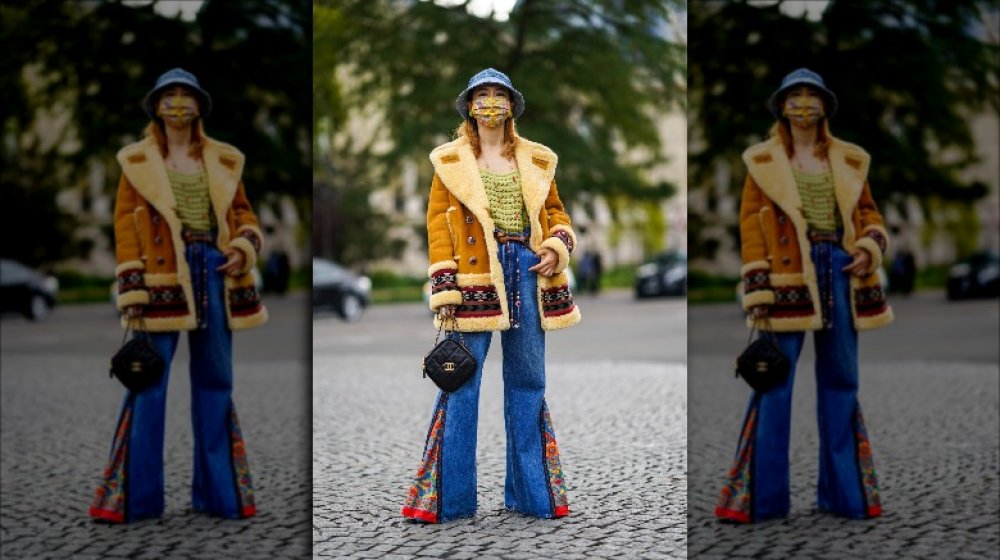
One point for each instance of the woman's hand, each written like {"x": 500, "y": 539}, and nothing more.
{"x": 760, "y": 312}
{"x": 859, "y": 266}
{"x": 133, "y": 312}
{"x": 446, "y": 312}
{"x": 234, "y": 262}
{"x": 547, "y": 267}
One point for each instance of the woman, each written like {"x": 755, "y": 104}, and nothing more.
{"x": 186, "y": 240}
{"x": 499, "y": 243}
{"x": 811, "y": 241}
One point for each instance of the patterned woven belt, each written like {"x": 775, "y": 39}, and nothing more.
{"x": 502, "y": 237}
{"x": 191, "y": 236}
{"x": 820, "y": 236}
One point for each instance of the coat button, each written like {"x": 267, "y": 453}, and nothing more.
{"x": 783, "y": 240}
{"x": 782, "y": 219}
{"x": 472, "y": 240}
{"x": 468, "y": 219}
{"x": 786, "y": 260}
{"x": 158, "y": 240}
{"x": 473, "y": 260}
{"x": 160, "y": 260}
{"x": 156, "y": 219}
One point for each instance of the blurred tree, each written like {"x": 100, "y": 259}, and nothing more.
{"x": 908, "y": 75}
{"x": 595, "y": 74}
{"x": 74, "y": 74}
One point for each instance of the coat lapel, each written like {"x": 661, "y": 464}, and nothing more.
{"x": 537, "y": 166}
{"x": 769, "y": 166}
{"x": 456, "y": 165}
{"x": 849, "y": 164}
{"x": 223, "y": 166}
{"x": 143, "y": 166}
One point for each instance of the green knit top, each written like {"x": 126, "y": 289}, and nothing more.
{"x": 506, "y": 201}
{"x": 194, "y": 206}
{"x": 819, "y": 204}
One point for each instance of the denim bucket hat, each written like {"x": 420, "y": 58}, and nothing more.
{"x": 803, "y": 77}
{"x": 177, "y": 77}
{"x": 489, "y": 76}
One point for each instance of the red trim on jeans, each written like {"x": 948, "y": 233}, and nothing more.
{"x": 420, "y": 514}
{"x": 561, "y": 511}
{"x": 874, "y": 511}
{"x": 113, "y": 516}
{"x": 248, "y": 511}
{"x": 740, "y": 516}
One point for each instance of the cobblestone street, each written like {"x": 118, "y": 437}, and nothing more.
{"x": 58, "y": 416}
{"x": 616, "y": 390}
{"x": 929, "y": 390}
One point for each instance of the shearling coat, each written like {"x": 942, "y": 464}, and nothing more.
{"x": 152, "y": 268}
{"x": 465, "y": 270}
{"x": 777, "y": 267}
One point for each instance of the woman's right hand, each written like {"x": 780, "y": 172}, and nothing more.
{"x": 133, "y": 312}
{"x": 446, "y": 311}
{"x": 760, "y": 311}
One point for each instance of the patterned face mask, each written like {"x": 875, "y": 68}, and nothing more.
{"x": 803, "y": 110}
{"x": 491, "y": 111}
{"x": 177, "y": 110}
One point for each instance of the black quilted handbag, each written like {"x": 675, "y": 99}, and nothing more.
{"x": 449, "y": 364}
{"x": 762, "y": 364}
{"x": 137, "y": 364}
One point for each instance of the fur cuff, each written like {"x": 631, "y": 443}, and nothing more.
{"x": 562, "y": 252}
{"x": 758, "y": 297}
{"x": 132, "y": 297}
{"x": 447, "y": 297}
{"x": 870, "y": 246}
{"x": 441, "y": 265}
{"x": 243, "y": 245}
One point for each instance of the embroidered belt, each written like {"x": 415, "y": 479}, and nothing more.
{"x": 502, "y": 237}
{"x": 821, "y": 236}
{"x": 191, "y": 236}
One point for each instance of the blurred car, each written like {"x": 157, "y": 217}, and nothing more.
{"x": 976, "y": 276}
{"x": 334, "y": 287}
{"x": 26, "y": 291}
{"x": 665, "y": 275}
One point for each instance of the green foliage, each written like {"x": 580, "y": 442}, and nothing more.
{"x": 92, "y": 63}
{"x": 907, "y": 73}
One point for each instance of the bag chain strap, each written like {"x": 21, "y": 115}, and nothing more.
{"x": 454, "y": 322}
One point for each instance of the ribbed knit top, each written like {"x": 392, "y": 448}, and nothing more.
{"x": 506, "y": 200}
{"x": 819, "y": 204}
{"x": 194, "y": 206}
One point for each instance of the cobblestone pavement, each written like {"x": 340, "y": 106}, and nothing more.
{"x": 619, "y": 413}
{"x": 929, "y": 389}
{"x": 58, "y": 414}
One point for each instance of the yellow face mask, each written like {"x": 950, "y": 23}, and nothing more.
{"x": 177, "y": 110}
{"x": 803, "y": 109}
{"x": 491, "y": 111}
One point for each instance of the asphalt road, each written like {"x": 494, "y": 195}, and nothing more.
{"x": 929, "y": 389}
{"x": 616, "y": 391}
{"x": 58, "y": 415}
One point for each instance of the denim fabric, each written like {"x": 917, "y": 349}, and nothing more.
{"x": 840, "y": 488}
{"x": 213, "y": 489}
{"x": 526, "y": 488}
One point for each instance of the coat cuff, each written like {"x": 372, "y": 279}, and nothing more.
{"x": 444, "y": 284}
{"x": 130, "y": 278}
{"x": 757, "y": 284}
{"x": 875, "y": 241}
{"x": 245, "y": 246}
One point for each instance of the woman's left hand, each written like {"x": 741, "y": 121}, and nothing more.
{"x": 234, "y": 262}
{"x": 859, "y": 266}
{"x": 549, "y": 261}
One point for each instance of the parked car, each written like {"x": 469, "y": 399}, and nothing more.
{"x": 26, "y": 291}
{"x": 665, "y": 275}
{"x": 339, "y": 289}
{"x": 976, "y": 276}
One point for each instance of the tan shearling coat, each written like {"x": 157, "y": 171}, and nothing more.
{"x": 152, "y": 268}
{"x": 465, "y": 269}
{"x": 777, "y": 267}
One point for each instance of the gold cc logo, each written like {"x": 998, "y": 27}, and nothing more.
{"x": 762, "y": 367}
{"x": 449, "y": 366}
{"x": 136, "y": 367}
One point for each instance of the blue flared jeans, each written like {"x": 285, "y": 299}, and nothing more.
{"x": 445, "y": 485}
{"x": 132, "y": 485}
{"x": 758, "y": 482}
